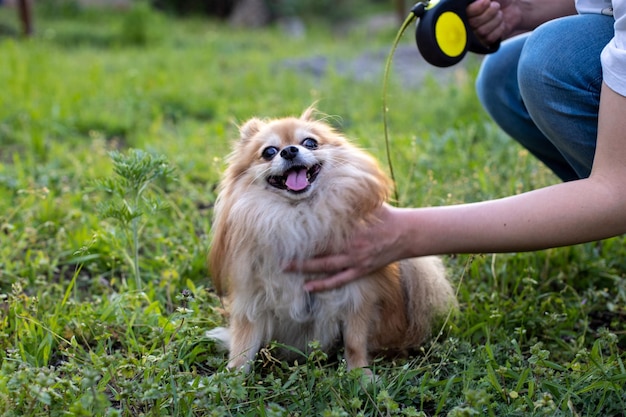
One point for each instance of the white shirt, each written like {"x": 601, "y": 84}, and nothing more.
{"x": 594, "y": 6}
{"x": 614, "y": 54}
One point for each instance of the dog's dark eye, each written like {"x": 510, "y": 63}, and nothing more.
{"x": 269, "y": 153}
{"x": 309, "y": 143}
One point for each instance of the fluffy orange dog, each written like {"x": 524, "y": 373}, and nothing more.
{"x": 295, "y": 188}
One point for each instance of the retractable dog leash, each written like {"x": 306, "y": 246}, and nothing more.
{"x": 443, "y": 37}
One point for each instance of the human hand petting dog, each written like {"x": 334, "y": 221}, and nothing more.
{"x": 375, "y": 245}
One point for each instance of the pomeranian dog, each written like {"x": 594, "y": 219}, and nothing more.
{"x": 296, "y": 188}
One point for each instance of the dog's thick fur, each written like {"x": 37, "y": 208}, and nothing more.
{"x": 261, "y": 225}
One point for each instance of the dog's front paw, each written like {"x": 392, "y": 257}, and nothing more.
{"x": 241, "y": 364}
{"x": 365, "y": 377}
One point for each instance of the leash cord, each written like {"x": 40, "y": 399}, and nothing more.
{"x": 412, "y": 15}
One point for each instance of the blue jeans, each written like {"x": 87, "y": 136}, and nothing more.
{"x": 543, "y": 89}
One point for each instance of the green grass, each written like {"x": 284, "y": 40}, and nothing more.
{"x": 104, "y": 305}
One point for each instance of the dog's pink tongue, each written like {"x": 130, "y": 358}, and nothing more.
{"x": 297, "y": 180}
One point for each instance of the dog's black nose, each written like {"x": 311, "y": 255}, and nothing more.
{"x": 289, "y": 152}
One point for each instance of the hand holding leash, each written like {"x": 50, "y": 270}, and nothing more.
{"x": 443, "y": 34}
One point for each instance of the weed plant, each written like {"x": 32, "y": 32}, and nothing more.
{"x": 104, "y": 293}
{"x": 135, "y": 174}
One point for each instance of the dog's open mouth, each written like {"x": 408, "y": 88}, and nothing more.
{"x": 296, "y": 179}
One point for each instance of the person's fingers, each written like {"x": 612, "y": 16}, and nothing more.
{"x": 487, "y": 15}
{"x": 322, "y": 265}
{"x": 477, "y": 8}
{"x": 333, "y": 282}
{"x": 490, "y": 32}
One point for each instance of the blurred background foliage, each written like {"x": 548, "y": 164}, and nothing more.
{"x": 267, "y": 10}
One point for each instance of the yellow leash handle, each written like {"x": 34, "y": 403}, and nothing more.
{"x": 443, "y": 35}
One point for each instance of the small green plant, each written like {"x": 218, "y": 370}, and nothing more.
{"x": 136, "y": 173}
{"x": 138, "y": 25}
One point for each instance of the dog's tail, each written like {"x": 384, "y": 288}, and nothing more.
{"x": 430, "y": 296}
{"x": 222, "y": 337}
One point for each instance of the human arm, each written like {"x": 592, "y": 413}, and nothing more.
{"x": 563, "y": 214}
{"x": 496, "y": 20}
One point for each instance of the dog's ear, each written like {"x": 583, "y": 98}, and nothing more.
{"x": 250, "y": 128}
{"x": 308, "y": 114}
